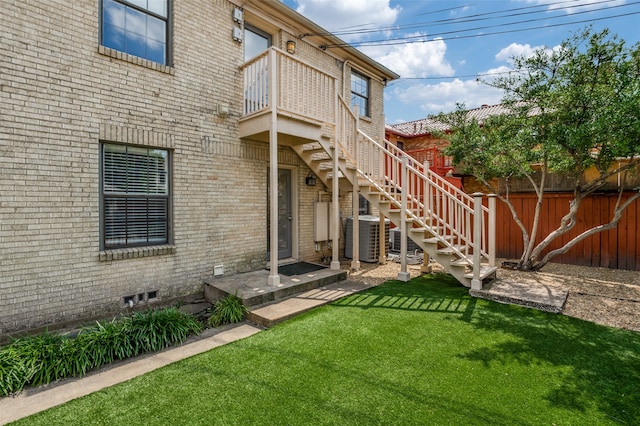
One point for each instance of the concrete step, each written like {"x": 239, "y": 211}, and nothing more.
{"x": 277, "y": 312}
{"x": 549, "y": 298}
{"x": 253, "y": 288}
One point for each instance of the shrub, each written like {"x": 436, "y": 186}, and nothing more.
{"x": 15, "y": 370}
{"x": 156, "y": 330}
{"x": 38, "y": 360}
{"x": 227, "y": 310}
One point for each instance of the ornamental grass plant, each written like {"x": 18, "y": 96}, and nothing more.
{"x": 228, "y": 310}
{"x": 48, "y": 357}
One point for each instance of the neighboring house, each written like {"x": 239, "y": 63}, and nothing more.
{"x": 132, "y": 147}
{"x": 422, "y": 140}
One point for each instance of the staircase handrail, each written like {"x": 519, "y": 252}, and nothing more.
{"x": 453, "y": 213}
{"x": 433, "y": 202}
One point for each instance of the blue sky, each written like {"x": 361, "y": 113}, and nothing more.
{"x": 458, "y": 40}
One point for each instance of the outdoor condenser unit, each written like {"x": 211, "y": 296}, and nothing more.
{"x": 369, "y": 238}
{"x": 395, "y": 239}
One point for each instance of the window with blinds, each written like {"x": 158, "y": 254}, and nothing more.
{"x": 135, "y": 196}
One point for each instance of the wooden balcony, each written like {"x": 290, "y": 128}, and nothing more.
{"x": 284, "y": 93}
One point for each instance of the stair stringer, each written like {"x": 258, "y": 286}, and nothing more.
{"x": 318, "y": 156}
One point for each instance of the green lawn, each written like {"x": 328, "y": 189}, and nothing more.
{"x": 422, "y": 352}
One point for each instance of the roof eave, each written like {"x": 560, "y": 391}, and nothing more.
{"x": 330, "y": 39}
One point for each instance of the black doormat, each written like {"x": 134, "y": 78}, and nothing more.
{"x": 298, "y": 268}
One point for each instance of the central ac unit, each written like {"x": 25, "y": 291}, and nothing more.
{"x": 369, "y": 238}
{"x": 395, "y": 239}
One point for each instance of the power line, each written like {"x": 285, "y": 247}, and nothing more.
{"x": 545, "y": 7}
{"x": 469, "y": 18}
{"x": 421, "y": 38}
{"x": 481, "y": 17}
{"x": 488, "y": 74}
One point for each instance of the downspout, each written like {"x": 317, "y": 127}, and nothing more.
{"x": 344, "y": 77}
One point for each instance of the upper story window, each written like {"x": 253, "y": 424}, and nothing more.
{"x": 135, "y": 196}
{"x": 360, "y": 93}
{"x": 255, "y": 42}
{"x": 137, "y": 27}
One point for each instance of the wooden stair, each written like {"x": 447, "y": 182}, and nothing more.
{"x": 441, "y": 235}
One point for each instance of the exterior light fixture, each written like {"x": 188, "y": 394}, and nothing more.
{"x": 310, "y": 180}
{"x": 291, "y": 47}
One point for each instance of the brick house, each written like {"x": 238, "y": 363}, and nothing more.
{"x": 421, "y": 138}
{"x": 145, "y": 145}
{"x": 126, "y": 169}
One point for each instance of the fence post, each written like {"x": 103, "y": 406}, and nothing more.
{"x": 403, "y": 275}
{"x": 492, "y": 230}
{"x": 476, "y": 283}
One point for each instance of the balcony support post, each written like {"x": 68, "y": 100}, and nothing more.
{"x": 476, "y": 283}
{"x": 404, "y": 275}
{"x": 426, "y": 216}
{"x": 355, "y": 200}
{"x": 335, "y": 188}
{"x": 274, "y": 277}
{"x": 382, "y": 227}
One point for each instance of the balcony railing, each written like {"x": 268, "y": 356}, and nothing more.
{"x": 438, "y": 162}
{"x": 299, "y": 89}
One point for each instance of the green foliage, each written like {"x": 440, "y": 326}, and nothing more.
{"x": 567, "y": 110}
{"x": 227, "y": 311}
{"x": 572, "y": 107}
{"x": 156, "y": 330}
{"x": 16, "y": 369}
{"x": 38, "y": 360}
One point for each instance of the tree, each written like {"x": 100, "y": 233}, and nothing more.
{"x": 569, "y": 109}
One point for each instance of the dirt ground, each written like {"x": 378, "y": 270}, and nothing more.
{"x": 604, "y": 296}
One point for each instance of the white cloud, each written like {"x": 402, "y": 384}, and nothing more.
{"x": 494, "y": 73}
{"x": 443, "y": 96}
{"x": 408, "y": 60}
{"x": 581, "y": 6}
{"x": 413, "y": 59}
{"x": 516, "y": 50}
{"x": 336, "y": 15}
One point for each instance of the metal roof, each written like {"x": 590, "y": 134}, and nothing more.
{"x": 431, "y": 125}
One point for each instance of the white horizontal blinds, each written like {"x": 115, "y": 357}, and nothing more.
{"x": 136, "y": 196}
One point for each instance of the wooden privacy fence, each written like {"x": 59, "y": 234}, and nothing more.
{"x": 618, "y": 248}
